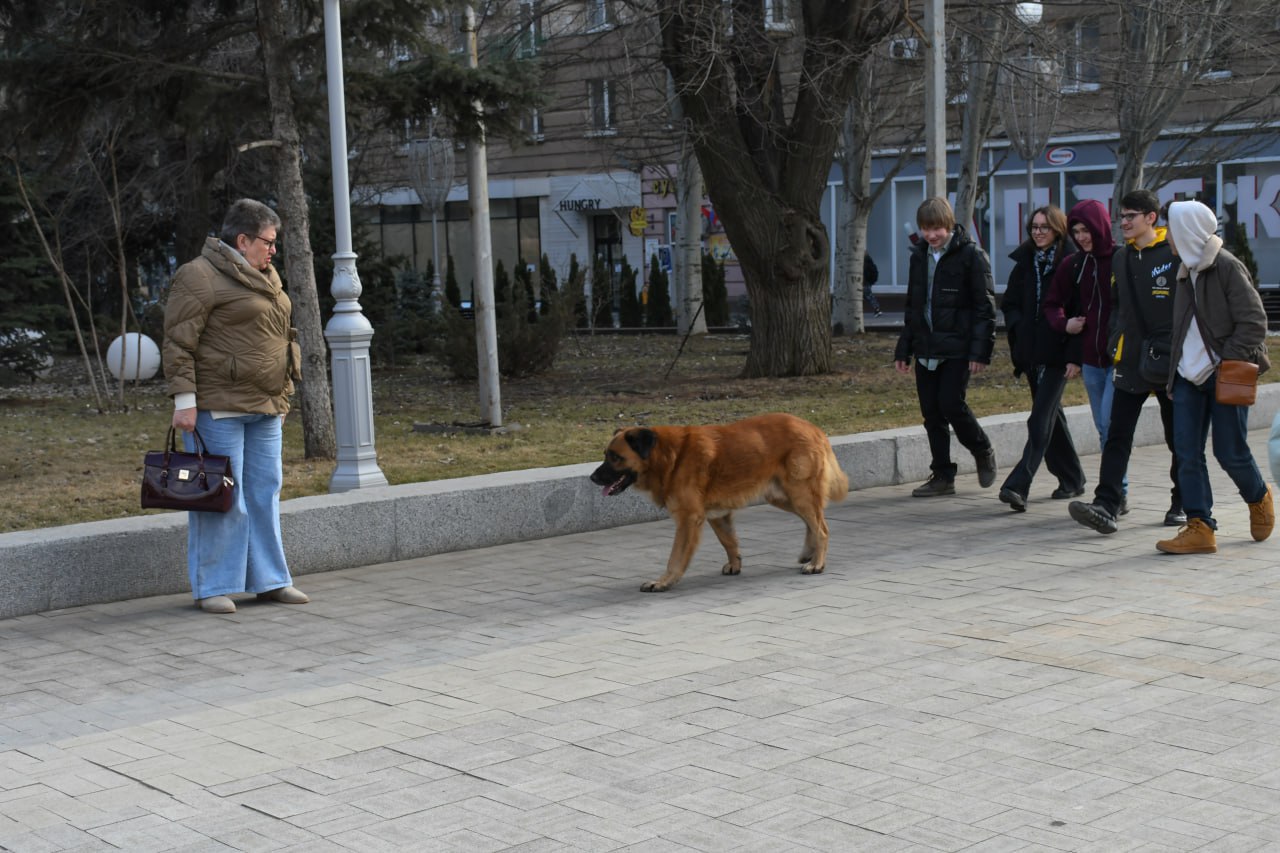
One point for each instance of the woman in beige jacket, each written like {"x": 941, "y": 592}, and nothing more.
{"x": 230, "y": 360}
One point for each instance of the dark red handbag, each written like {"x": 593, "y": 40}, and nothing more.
{"x": 197, "y": 482}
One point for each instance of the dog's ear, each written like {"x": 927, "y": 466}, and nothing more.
{"x": 641, "y": 441}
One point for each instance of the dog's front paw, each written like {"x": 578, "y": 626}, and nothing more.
{"x": 732, "y": 567}
{"x": 805, "y": 558}
{"x": 811, "y": 569}
{"x": 653, "y": 586}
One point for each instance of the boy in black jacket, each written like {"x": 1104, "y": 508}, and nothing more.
{"x": 949, "y": 331}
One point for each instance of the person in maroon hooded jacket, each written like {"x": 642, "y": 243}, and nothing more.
{"x": 1079, "y": 304}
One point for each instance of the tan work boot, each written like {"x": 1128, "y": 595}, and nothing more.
{"x": 1196, "y": 538}
{"x": 1262, "y": 517}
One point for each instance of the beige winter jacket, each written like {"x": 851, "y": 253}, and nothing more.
{"x": 227, "y": 336}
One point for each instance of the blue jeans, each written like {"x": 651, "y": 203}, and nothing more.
{"x": 1194, "y": 411}
{"x": 240, "y": 550}
{"x": 1101, "y": 389}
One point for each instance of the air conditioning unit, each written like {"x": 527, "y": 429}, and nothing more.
{"x": 904, "y": 48}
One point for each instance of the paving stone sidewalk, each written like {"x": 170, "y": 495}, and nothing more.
{"x": 961, "y": 678}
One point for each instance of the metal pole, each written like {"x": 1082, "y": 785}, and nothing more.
{"x": 348, "y": 331}
{"x": 437, "y": 294}
{"x": 1031, "y": 189}
{"x": 935, "y": 95}
{"x": 482, "y": 252}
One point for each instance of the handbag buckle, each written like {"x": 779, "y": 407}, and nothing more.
{"x": 184, "y": 474}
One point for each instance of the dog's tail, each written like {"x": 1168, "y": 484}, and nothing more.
{"x": 836, "y": 480}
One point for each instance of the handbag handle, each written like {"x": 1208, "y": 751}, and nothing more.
{"x": 171, "y": 446}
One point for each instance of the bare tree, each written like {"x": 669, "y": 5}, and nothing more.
{"x": 981, "y": 40}
{"x": 319, "y": 437}
{"x": 764, "y": 99}
{"x": 883, "y": 91}
{"x": 1166, "y": 49}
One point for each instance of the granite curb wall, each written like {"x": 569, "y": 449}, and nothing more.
{"x": 101, "y": 561}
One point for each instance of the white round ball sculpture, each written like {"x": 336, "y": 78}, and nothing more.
{"x": 141, "y": 356}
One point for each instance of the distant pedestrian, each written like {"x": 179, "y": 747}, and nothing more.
{"x": 231, "y": 361}
{"x": 870, "y": 275}
{"x": 1048, "y": 359}
{"x": 1217, "y": 315}
{"x": 949, "y": 331}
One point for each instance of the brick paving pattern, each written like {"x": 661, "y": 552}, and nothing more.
{"x": 960, "y": 678}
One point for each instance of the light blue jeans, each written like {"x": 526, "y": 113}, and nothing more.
{"x": 240, "y": 550}
{"x": 1099, "y": 386}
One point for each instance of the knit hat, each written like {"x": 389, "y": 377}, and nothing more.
{"x": 1192, "y": 228}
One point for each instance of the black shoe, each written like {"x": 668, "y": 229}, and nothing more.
{"x": 1062, "y": 493}
{"x": 1124, "y": 506}
{"x": 986, "y": 467}
{"x": 936, "y": 486}
{"x": 1016, "y": 502}
{"x": 1175, "y": 517}
{"x": 1092, "y": 515}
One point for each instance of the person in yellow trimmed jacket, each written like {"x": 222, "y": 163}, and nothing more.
{"x": 1143, "y": 272}
{"x": 230, "y": 358}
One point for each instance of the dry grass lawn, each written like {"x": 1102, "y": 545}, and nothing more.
{"x": 61, "y": 461}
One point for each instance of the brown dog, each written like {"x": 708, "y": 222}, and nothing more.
{"x": 704, "y": 473}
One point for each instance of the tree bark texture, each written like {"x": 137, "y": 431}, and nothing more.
{"x": 319, "y": 438}
{"x": 764, "y": 111}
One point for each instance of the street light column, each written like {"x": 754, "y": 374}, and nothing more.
{"x": 348, "y": 330}
{"x": 935, "y": 96}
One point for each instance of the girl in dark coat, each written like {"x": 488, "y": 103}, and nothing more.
{"x": 1048, "y": 358}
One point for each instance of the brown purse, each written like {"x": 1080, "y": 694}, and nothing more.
{"x": 197, "y": 482}
{"x": 1237, "y": 383}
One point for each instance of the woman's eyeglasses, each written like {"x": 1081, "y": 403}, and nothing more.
{"x": 271, "y": 244}
{"x": 1039, "y": 228}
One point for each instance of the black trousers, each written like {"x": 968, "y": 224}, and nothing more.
{"x": 1048, "y": 439}
{"x": 942, "y": 404}
{"x": 1126, "y": 407}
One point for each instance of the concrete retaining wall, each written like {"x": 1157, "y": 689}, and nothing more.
{"x": 128, "y": 558}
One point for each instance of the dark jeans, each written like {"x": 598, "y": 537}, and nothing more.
{"x": 1125, "y": 409}
{"x": 942, "y": 403}
{"x": 1048, "y": 438}
{"x": 1194, "y": 410}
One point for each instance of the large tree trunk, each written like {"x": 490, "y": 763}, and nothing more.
{"x": 766, "y": 150}
{"x": 790, "y": 301}
{"x": 313, "y": 391}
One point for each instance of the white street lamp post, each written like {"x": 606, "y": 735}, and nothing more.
{"x": 432, "y": 160}
{"x": 935, "y": 97}
{"x": 348, "y": 331}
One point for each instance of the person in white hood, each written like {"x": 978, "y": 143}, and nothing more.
{"x": 1217, "y": 314}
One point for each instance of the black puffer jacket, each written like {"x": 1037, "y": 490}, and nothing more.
{"x": 964, "y": 304}
{"x": 1032, "y": 341}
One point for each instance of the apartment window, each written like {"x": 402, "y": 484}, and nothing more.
{"x": 1083, "y": 42}
{"x": 531, "y": 124}
{"x": 530, "y": 40}
{"x": 602, "y": 105}
{"x": 1216, "y": 47}
{"x": 599, "y": 15}
{"x": 775, "y": 15}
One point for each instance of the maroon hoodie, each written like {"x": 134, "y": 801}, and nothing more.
{"x": 1082, "y": 285}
